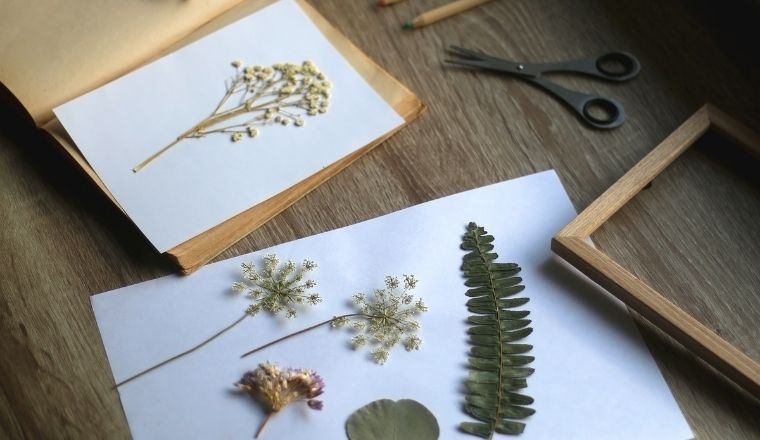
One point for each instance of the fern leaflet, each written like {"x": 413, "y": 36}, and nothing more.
{"x": 498, "y": 364}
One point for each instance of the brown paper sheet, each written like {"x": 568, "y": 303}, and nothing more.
{"x": 55, "y": 50}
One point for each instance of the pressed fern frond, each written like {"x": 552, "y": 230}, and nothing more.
{"x": 497, "y": 363}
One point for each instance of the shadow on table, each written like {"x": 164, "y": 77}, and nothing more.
{"x": 38, "y": 154}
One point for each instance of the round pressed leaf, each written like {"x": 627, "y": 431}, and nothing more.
{"x": 386, "y": 419}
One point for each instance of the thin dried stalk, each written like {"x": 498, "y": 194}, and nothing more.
{"x": 278, "y": 94}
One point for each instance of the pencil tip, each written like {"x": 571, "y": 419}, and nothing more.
{"x": 407, "y": 25}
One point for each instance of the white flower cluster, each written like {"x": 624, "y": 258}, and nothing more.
{"x": 280, "y": 94}
{"x": 386, "y": 318}
{"x": 277, "y": 288}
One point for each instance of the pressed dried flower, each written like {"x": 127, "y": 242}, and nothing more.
{"x": 276, "y": 388}
{"x": 260, "y": 95}
{"x": 273, "y": 288}
{"x": 277, "y": 288}
{"x": 384, "y": 319}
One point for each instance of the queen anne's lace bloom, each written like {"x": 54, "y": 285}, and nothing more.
{"x": 385, "y": 318}
{"x": 273, "y": 288}
{"x": 277, "y": 288}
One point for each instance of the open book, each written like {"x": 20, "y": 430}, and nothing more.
{"x": 159, "y": 103}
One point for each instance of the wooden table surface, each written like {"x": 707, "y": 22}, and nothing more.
{"x": 61, "y": 240}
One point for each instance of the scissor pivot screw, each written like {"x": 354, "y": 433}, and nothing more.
{"x": 520, "y": 67}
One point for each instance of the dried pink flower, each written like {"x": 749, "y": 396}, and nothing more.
{"x": 277, "y": 387}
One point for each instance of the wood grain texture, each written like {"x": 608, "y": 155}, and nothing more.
{"x": 571, "y": 242}
{"x": 61, "y": 240}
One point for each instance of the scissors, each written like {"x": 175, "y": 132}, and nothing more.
{"x": 597, "y": 111}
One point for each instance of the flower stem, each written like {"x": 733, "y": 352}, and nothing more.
{"x": 186, "y": 352}
{"x": 269, "y": 344}
{"x": 263, "y": 424}
{"x": 232, "y": 89}
{"x": 211, "y": 120}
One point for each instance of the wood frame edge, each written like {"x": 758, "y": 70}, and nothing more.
{"x": 639, "y": 176}
{"x": 570, "y": 244}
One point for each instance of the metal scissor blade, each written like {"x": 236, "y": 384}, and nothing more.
{"x": 478, "y": 60}
{"x": 467, "y": 63}
{"x": 467, "y": 58}
{"x": 465, "y": 53}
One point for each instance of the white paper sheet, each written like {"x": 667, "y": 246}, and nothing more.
{"x": 594, "y": 377}
{"x": 201, "y": 182}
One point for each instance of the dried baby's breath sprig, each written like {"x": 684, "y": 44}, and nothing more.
{"x": 276, "y": 388}
{"x": 275, "y": 288}
{"x": 261, "y": 95}
{"x": 384, "y": 319}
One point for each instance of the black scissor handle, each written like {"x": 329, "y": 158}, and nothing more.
{"x": 612, "y": 66}
{"x": 596, "y": 111}
{"x": 618, "y": 66}
{"x": 608, "y": 114}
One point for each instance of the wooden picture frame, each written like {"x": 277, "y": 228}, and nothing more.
{"x": 572, "y": 244}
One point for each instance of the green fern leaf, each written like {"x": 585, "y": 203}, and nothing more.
{"x": 498, "y": 365}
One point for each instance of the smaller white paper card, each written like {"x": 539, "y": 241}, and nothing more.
{"x": 201, "y": 182}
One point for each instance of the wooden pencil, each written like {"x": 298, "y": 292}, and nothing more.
{"x": 442, "y": 12}
{"x": 388, "y": 2}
